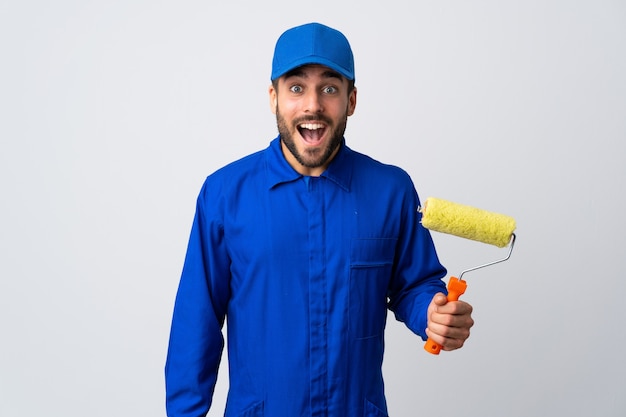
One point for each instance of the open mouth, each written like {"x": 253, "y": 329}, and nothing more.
{"x": 312, "y": 133}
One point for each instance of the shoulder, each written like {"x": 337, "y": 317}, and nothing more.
{"x": 372, "y": 170}
{"x": 239, "y": 170}
{"x": 242, "y": 166}
{"x": 229, "y": 181}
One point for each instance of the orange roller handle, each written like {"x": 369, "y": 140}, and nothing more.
{"x": 456, "y": 287}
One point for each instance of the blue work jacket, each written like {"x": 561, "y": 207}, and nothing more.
{"x": 303, "y": 269}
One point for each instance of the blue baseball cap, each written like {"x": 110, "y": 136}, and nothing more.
{"x": 312, "y": 43}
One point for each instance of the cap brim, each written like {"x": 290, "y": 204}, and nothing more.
{"x": 312, "y": 60}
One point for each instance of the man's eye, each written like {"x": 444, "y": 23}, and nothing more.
{"x": 330, "y": 90}
{"x": 296, "y": 89}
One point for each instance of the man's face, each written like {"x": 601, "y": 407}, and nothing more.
{"x": 312, "y": 105}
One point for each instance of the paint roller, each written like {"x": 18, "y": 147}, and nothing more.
{"x": 471, "y": 223}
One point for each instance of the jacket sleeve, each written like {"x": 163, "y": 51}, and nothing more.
{"x": 196, "y": 341}
{"x": 417, "y": 271}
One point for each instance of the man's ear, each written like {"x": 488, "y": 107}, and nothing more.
{"x": 352, "y": 102}
{"x": 273, "y": 98}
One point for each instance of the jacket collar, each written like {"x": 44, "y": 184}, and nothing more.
{"x": 279, "y": 171}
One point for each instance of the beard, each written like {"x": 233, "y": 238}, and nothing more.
{"x": 312, "y": 158}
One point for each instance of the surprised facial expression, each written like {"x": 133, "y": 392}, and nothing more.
{"x": 312, "y": 104}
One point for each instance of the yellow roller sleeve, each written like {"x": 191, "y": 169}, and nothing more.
{"x": 468, "y": 222}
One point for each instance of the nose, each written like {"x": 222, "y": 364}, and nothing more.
{"x": 313, "y": 102}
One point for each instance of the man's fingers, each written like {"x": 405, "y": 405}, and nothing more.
{"x": 449, "y": 338}
{"x": 440, "y": 299}
{"x": 458, "y": 308}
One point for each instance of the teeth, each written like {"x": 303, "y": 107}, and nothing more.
{"x": 311, "y": 126}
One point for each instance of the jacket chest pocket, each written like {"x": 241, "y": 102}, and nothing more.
{"x": 371, "y": 265}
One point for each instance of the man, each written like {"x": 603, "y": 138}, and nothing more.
{"x": 303, "y": 247}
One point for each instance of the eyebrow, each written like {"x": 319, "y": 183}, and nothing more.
{"x": 299, "y": 72}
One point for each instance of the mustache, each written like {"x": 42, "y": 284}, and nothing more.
{"x": 318, "y": 118}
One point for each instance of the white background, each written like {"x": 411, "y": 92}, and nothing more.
{"x": 113, "y": 112}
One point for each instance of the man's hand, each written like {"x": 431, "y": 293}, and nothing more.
{"x": 449, "y": 323}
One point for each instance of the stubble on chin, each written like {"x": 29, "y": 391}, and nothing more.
{"x": 313, "y": 158}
